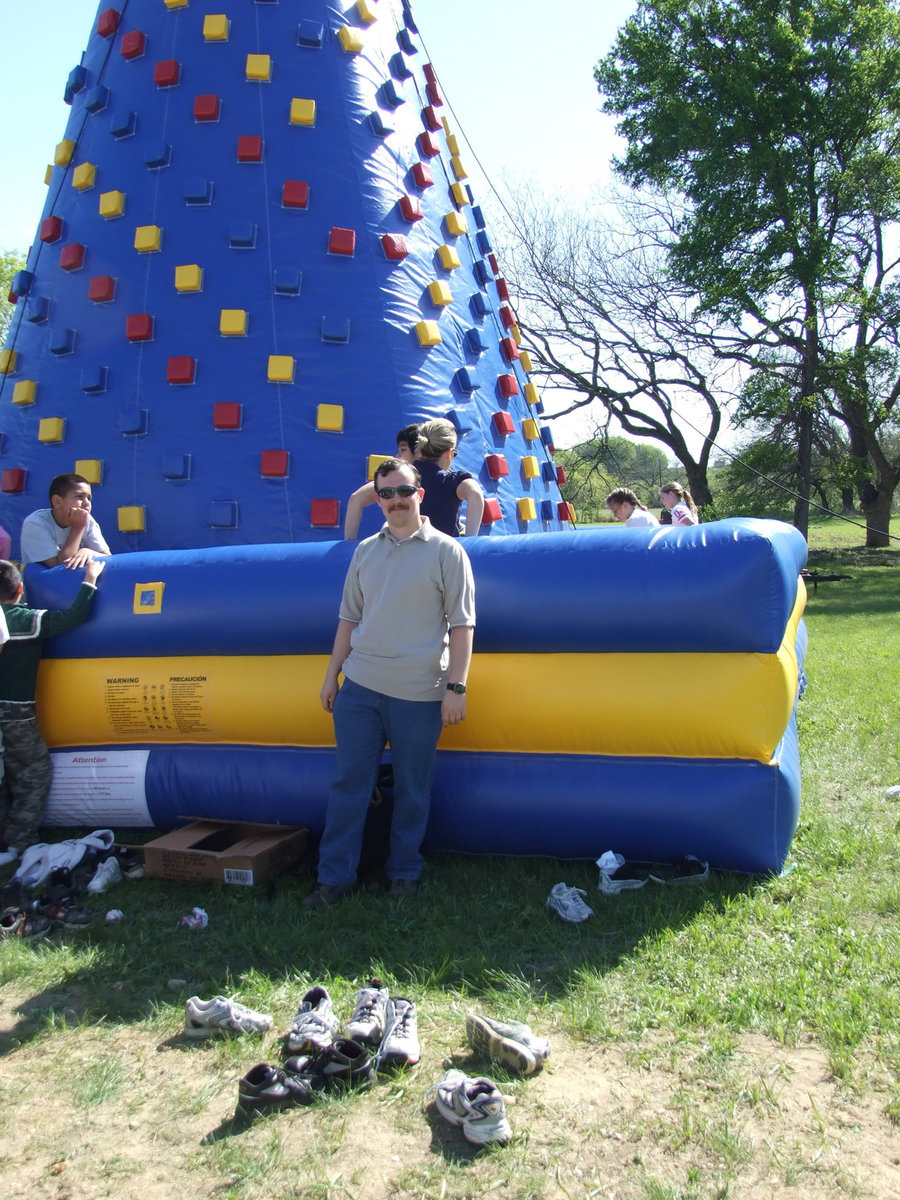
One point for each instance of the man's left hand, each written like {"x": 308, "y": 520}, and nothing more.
{"x": 453, "y": 708}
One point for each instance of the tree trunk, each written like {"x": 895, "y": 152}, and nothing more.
{"x": 805, "y": 416}
{"x": 698, "y": 484}
{"x": 804, "y": 468}
{"x": 876, "y": 504}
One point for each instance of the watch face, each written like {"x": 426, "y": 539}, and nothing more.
{"x": 459, "y": 688}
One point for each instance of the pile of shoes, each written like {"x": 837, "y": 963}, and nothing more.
{"x": 475, "y": 1103}
{"x": 41, "y": 895}
{"x": 51, "y": 877}
{"x": 324, "y": 1054}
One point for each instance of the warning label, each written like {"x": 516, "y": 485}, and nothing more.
{"x": 137, "y": 708}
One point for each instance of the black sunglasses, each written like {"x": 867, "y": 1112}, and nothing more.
{"x": 387, "y": 493}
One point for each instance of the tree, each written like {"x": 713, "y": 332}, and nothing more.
{"x": 595, "y": 467}
{"x": 778, "y": 122}
{"x": 767, "y": 412}
{"x": 610, "y": 330}
{"x": 10, "y": 262}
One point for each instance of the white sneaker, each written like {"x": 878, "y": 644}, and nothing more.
{"x": 400, "y": 1045}
{"x": 108, "y": 873}
{"x": 222, "y": 1016}
{"x": 8, "y": 856}
{"x": 509, "y": 1042}
{"x": 475, "y": 1104}
{"x": 367, "y": 1024}
{"x": 567, "y": 901}
{"x": 315, "y": 1026}
{"x": 617, "y": 875}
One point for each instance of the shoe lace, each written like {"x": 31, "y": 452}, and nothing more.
{"x": 397, "y": 1025}
{"x": 237, "y": 1013}
{"x": 311, "y": 1021}
{"x": 366, "y": 1004}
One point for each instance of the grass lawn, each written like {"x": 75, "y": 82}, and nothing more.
{"x": 740, "y": 1039}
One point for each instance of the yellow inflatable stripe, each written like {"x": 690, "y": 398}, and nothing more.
{"x": 670, "y": 705}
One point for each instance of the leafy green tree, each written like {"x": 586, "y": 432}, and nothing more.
{"x": 11, "y": 261}
{"x": 595, "y": 467}
{"x": 778, "y": 122}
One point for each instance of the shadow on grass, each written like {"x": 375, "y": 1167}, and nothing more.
{"x": 479, "y": 927}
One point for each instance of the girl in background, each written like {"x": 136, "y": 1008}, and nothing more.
{"x": 680, "y": 503}
{"x": 625, "y": 506}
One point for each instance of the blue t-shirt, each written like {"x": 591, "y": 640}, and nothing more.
{"x": 440, "y": 504}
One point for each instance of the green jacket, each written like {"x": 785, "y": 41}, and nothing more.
{"x": 21, "y": 656}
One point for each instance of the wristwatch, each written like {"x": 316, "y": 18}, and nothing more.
{"x": 459, "y": 688}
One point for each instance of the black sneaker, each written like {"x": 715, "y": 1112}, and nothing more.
{"x": 403, "y": 887}
{"x": 64, "y": 912}
{"x": 62, "y": 887}
{"x": 131, "y": 861}
{"x": 324, "y": 895}
{"x": 344, "y": 1063}
{"x": 266, "y": 1089}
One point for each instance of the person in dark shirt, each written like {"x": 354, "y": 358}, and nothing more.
{"x": 365, "y": 495}
{"x": 446, "y": 489}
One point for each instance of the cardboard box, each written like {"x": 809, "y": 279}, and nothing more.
{"x": 225, "y": 851}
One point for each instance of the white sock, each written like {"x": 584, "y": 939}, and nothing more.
{"x": 8, "y": 856}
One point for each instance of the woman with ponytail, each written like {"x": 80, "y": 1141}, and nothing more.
{"x": 680, "y": 503}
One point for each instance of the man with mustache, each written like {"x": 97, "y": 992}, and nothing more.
{"x": 403, "y": 644}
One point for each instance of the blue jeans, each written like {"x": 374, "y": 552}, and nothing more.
{"x": 364, "y": 722}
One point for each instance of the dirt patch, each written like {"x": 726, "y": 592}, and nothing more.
{"x": 125, "y": 1113}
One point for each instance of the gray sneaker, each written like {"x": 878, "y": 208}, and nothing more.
{"x": 222, "y": 1017}
{"x": 509, "y": 1042}
{"x": 367, "y": 1024}
{"x": 474, "y": 1104}
{"x": 568, "y": 902}
{"x": 315, "y": 1026}
{"x": 400, "y": 1045}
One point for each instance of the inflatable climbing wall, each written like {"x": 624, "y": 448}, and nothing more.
{"x": 260, "y": 257}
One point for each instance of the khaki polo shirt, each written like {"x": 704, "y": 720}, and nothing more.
{"x": 404, "y": 597}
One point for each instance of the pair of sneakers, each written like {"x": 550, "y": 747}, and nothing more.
{"x": 475, "y": 1103}
{"x": 386, "y": 1024}
{"x": 303, "y": 1078}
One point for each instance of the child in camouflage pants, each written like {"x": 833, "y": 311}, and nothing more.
{"x": 25, "y": 757}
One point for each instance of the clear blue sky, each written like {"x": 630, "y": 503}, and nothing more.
{"x": 518, "y": 77}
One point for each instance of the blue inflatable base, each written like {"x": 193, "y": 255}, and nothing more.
{"x": 737, "y": 815}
